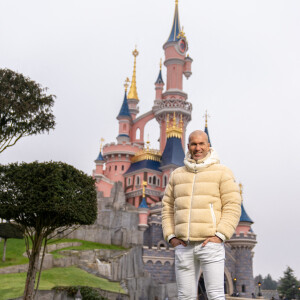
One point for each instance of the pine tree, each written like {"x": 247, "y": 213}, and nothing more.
{"x": 289, "y": 284}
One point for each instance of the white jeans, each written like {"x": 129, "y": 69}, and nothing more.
{"x": 189, "y": 260}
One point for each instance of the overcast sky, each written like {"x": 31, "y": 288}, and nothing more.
{"x": 246, "y": 73}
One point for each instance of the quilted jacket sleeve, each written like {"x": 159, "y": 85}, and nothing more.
{"x": 231, "y": 204}
{"x": 168, "y": 210}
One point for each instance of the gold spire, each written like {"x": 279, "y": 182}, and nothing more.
{"x": 133, "y": 92}
{"x": 126, "y": 84}
{"x": 176, "y": 129}
{"x": 101, "y": 141}
{"x": 241, "y": 190}
{"x": 144, "y": 188}
{"x": 206, "y": 116}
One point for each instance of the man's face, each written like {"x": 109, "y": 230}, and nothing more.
{"x": 198, "y": 146}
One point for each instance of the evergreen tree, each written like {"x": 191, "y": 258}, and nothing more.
{"x": 288, "y": 286}
{"x": 268, "y": 283}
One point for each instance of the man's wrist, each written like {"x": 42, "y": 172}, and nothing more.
{"x": 171, "y": 236}
{"x": 220, "y": 236}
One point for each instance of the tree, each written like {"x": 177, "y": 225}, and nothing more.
{"x": 25, "y": 109}
{"x": 9, "y": 231}
{"x": 44, "y": 198}
{"x": 289, "y": 284}
{"x": 269, "y": 283}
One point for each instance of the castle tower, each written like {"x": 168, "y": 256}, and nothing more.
{"x": 242, "y": 243}
{"x": 99, "y": 162}
{"x": 206, "y": 127}
{"x": 178, "y": 63}
{"x": 133, "y": 98}
{"x": 143, "y": 210}
{"x": 125, "y": 119}
{"x": 159, "y": 84}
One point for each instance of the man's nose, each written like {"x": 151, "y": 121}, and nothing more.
{"x": 198, "y": 147}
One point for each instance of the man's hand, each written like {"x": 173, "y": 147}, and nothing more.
{"x": 213, "y": 239}
{"x": 175, "y": 242}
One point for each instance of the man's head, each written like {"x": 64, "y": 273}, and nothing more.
{"x": 198, "y": 144}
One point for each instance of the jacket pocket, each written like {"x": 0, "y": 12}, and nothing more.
{"x": 213, "y": 215}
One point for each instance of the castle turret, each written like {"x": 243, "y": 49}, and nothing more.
{"x": 206, "y": 127}
{"x": 143, "y": 210}
{"x": 133, "y": 98}
{"x": 159, "y": 85}
{"x": 99, "y": 161}
{"x": 178, "y": 64}
{"x": 125, "y": 120}
{"x": 242, "y": 243}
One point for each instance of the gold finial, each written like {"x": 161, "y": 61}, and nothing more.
{"x": 148, "y": 143}
{"x": 144, "y": 188}
{"x": 181, "y": 34}
{"x": 160, "y": 64}
{"x": 176, "y": 2}
{"x": 133, "y": 92}
{"x": 241, "y": 190}
{"x": 126, "y": 84}
{"x": 206, "y": 116}
{"x": 101, "y": 141}
{"x": 176, "y": 129}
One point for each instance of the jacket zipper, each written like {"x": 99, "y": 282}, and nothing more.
{"x": 191, "y": 208}
{"x": 213, "y": 214}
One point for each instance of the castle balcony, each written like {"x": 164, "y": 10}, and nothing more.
{"x": 242, "y": 240}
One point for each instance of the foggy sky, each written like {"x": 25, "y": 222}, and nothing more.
{"x": 246, "y": 73}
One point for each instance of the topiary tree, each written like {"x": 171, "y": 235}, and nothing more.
{"x": 25, "y": 109}
{"x": 9, "y": 231}
{"x": 43, "y": 198}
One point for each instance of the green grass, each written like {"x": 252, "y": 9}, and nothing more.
{"x": 85, "y": 245}
{"x": 16, "y": 247}
{"x": 14, "y": 253}
{"x": 12, "y": 285}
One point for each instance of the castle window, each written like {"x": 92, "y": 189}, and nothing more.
{"x": 150, "y": 179}
{"x": 122, "y": 167}
{"x": 109, "y": 168}
{"x": 138, "y": 134}
{"x": 154, "y": 179}
{"x": 128, "y": 181}
{"x": 243, "y": 288}
{"x": 138, "y": 180}
{"x": 165, "y": 181}
{"x": 116, "y": 168}
{"x": 158, "y": 182}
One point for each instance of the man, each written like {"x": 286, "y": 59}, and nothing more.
{"x": 201, "y": 209}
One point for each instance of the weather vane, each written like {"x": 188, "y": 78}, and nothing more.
{"x": 101, "y": 141}
{"x": 126, "y": 84}
{"x": 206, "y": 116}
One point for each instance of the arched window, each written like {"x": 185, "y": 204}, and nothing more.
{"x": 138, "y": 134}
{"x": 158, "y": 182}
{"x": 128, "y": 181}
{"x": 122, "y": 167}
{"x": 109, "y": 168}
{"x": 154, "y": 179}
{"x": 138, "y": 180}
{"x": 149, "y": 179}
{"x": 116, "y": 168}
{"x": 165, "y": 181}
{"x": 243, "y": 288}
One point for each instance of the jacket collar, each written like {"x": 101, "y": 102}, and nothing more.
{"x": 196, "y": 166}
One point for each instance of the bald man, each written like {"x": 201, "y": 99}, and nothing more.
{"x": 201, "y": 209}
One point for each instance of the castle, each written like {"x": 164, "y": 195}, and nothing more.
{"x": 131, "y": 177}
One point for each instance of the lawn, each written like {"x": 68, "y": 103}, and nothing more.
{"x": 15, "y": 249}
{"x": 12, "y": 285}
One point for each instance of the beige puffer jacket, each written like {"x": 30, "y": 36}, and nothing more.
{"x": 201, "y": 200}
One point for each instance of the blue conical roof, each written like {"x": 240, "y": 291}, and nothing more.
{"x": 173, "y": 153}
{"x": 143, "y": 203}
{"x": 244, "y": 217}
{"x": 175, "y": 27}
{"x": 206, "y": 131}
{"x": 159, "y": 79}
{"x": 124, "y": 111}
{"x": 100, "y": 157}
